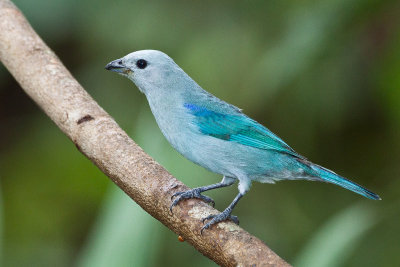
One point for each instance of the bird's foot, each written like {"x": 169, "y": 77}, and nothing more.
{"x": 194, "y": 193}
{"x": 225, "y": 215}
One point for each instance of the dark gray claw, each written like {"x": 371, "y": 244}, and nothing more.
{"x": 194, "y": 193}
{"x": 223, "y": 216}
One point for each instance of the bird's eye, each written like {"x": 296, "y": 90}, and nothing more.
{"x": 141, "y": 63}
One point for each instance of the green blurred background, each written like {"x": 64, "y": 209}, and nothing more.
{"x": 323, "y": 75}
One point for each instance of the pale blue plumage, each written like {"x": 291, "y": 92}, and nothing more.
{"x": 215, "y": 134}
{"x": 245, "y": 131}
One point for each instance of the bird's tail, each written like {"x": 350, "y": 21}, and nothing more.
{"x": 329, "y": 176}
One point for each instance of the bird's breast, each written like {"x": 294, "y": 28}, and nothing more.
{"x": 174, "y": 122}
{"x": 217, "y": 155}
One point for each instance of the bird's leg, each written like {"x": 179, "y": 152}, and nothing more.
{"x": 225, "y": 215}
{"x": 196, "y": 192}
{"x": 244, "y": 186}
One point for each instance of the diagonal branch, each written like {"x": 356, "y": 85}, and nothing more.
{"x": 44, "y": 78}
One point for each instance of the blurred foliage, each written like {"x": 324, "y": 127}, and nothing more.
{"x": 323, "y": 75}
{"x": 334, "y": 243}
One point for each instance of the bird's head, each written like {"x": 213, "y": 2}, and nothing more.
{"x": 148, "y": 69}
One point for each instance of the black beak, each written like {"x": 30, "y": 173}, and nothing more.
{"x": 116, "y": 66}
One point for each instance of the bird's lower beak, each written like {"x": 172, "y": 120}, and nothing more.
{"x": 117, "y": 66}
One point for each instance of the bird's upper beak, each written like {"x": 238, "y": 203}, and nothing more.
{"x": 117, "y": 66}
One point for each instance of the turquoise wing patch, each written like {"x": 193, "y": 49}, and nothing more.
{"x": 237, "y": 128}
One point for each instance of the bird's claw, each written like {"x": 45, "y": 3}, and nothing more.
{"x": 194, "y": 193}
{"x": 216, "y": 218}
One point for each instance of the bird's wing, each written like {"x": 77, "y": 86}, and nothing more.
{"x": 237, "y": 128}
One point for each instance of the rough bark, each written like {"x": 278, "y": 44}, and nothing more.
{"x": 44, "y": 78}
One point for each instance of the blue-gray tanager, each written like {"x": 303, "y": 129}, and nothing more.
{"x": 215, "y": 134}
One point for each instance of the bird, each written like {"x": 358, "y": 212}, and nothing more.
{"x": 217, "y": 135}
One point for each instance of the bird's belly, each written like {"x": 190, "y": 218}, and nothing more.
{"x": 206, "y": 151}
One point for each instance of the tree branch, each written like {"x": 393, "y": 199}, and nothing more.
{"x": 44, "y": 78}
